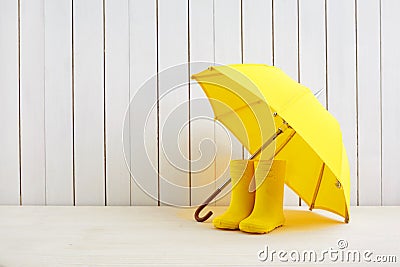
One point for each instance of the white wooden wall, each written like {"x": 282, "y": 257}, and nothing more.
{"x": 68, "y": 69}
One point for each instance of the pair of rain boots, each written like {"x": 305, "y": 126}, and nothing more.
{"x": 259, "y": 211}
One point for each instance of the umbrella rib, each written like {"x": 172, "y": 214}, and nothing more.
{"x": 284, "y": 144}
{"x": 318, "y": 185}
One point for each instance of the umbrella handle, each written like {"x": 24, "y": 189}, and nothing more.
{"x": 202, "y": 206}
{"x": 216, "y": 192}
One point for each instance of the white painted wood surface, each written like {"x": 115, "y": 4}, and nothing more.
{"x": 286, "y": 53}
{"x": 165, "y": 236}
{"x": 143, "y": 95}
{"x": 257, "y": 32}
{"x": 9, "y": 99}
{"x": 369, "y": 102}
{"x": 117, "y": 99}
{"x": 89, "y": 102}
{"x": 173, "y": 80}
{"x": 32, "y": 75}
{"x": 341, "y": 89}
{"x": 390, "y": 106}
{"x": 58, "y": 102}
{"x": 68, "y": 101}
{"x": 312, "y": 46}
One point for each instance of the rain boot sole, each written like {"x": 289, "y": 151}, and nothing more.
{"x": 256, "y": 229}
{"x": 226, "y": 225}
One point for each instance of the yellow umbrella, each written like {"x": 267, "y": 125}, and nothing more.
{"x": 307, "y": 136}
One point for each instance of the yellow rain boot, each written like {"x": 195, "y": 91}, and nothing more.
{"x": 268, "y": 208}
{"x": 242, "y": 201}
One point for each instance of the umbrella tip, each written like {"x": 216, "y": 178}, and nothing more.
{"x": 319, "y": 92}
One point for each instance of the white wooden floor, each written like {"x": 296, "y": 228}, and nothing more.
{"x": 166, "y": 236}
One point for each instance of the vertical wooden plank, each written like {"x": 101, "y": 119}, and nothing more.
{"x": 9, "y": 99}
{"x": 143, "y": 94}
{"x": 202, "y": 146}
{"x": 369, "y": 113}
{"x": 33, "y": 176}
{"x": 117, "y": 99}
{"x": 286, "y": 53}
{"x": 227, "y": 51}
{"x": 341, "y": 89}
{"x": 58, "y": 102}
{"x": 286, "y": 37}
{"x": 257, "y": 31}
{"x": 227, "y": 32}
{"x": 390, "y": 106}
{"x": 312, "y": 46}
{"x": 173, "y": 102}
{"x": 89, "y": 102}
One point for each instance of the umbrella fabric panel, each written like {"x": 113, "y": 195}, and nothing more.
{"x": 302, "y": 167}
{"x": 297, "y": 105}
{"x": 212, "y": 81}
{"x": 259, "y": 128}
{"x": 247, "y": 117}
{"x": 276, "y": 87}
{"x": 330, "y": 196}
{"x": 236, "y": 74}
{"x": 318, "y": 128}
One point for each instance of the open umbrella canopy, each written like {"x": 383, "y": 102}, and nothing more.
{"x": 244, "y": 97}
